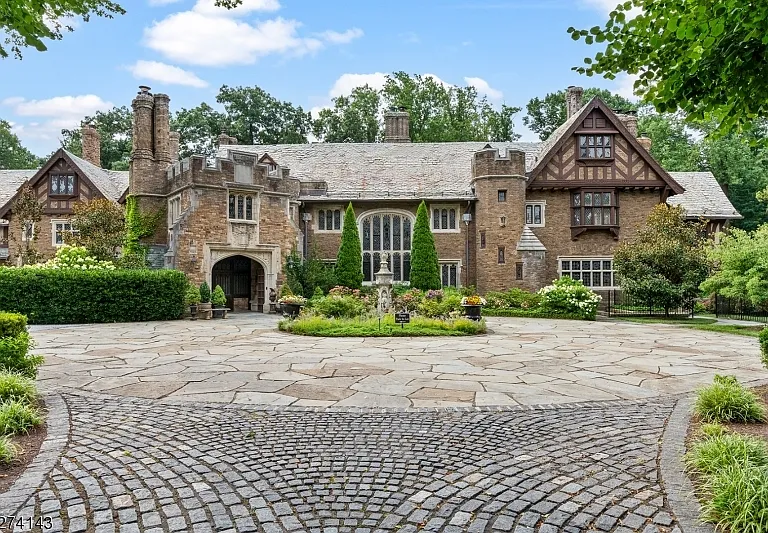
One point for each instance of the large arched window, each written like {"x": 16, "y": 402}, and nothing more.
{"x": 390, "y": 232}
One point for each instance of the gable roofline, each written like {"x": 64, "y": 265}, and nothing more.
{"x": 61, "y": 153}
{"x": 566, "y": 131}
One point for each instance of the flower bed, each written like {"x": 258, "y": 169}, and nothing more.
{"x": 371, "y": 327}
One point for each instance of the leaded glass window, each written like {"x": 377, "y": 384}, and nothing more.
{"x": 386, "y": 232}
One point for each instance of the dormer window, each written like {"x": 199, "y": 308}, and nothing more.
{"x": 596, "y": 146}
{"x": 62, "y": 185}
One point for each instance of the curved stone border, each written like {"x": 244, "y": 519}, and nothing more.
{"x": 680, "y": 494}
{"x": 34, "y": 475}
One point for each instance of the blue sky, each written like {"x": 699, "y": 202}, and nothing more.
{"x": 303, "y": 51}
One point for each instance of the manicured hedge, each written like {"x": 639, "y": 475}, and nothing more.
{"x": 69, "y": 296}
{"x": 531, "y": 313}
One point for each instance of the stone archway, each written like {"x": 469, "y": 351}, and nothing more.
{"x": 243, "y": 281}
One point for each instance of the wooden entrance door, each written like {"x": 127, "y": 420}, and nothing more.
{"x": 234, "y": 276}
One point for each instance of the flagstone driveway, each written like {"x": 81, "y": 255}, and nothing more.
{"x": 245, "y": 360}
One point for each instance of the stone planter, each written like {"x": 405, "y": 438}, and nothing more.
{"x": 473, "y": 312}
{"x": 205, "y": 310}
{"x": 193, "y": 311}
{"x": 220, "y": 312}
{"x": 292, "y": 310}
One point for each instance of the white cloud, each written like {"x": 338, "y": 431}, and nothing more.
{"x": 625, "y": 86}
{"x": 164, "y": 73}
{"x": 346, "y": 82}
{"x": 214, "y": 36}
{"x": 57, "y": 113}
{"x": 335, "y": 37}
{"x": 606, "y": 6}
{"x": 483, "y": 87}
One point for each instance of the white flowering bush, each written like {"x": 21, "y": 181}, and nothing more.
{"x": 77, "y": 258}
{"x": 566, "y": 295}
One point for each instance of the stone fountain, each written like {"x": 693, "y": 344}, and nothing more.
{"x": 384, "y": 283}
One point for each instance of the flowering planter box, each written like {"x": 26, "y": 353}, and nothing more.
{"x": 472, "y": 312}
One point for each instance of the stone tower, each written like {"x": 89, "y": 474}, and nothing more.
{"x": 499, "y": 183}
{"x": 150, "y": 157}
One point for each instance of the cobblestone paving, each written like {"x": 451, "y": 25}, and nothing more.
{"x": 245, "y": 360}
{"x": 141, "y": 465}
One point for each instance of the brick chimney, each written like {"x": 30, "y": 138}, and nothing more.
{"x": 645, "y": 142}
{"x": 397, "y": 126}
{"x": 162, "y": 128}
{"x": 573, "y": 99}
{"x": 173, "y": 145}
{"x": 629, "y": 119}
{"x": 91, "y": 142}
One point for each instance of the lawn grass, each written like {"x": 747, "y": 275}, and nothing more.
{"x": 419, "y": 327}
{"x": 703, "y": 324}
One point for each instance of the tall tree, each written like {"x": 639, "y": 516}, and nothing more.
{"x": 447, "y": 113}
{"x": 349, "y": 261}
{"x": 198, "y": 128}
{"x": 547, "y": 114}
{"x": 256, "y": 117}
{"x": 100, "y": 226}
{"x": 353, "y": 118}
{"x": 12, "y": 154}
{"x": 425, "y": 269}
{"x": 703, "y": 57}
{"x": 115, "y": 128}
{"x": 666, "y": 262}
{"x": 673, "y": 145}
{"x": 27, "y": 214}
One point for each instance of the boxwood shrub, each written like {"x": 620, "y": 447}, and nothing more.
{"x": 69, "y": 296}
{"x": 536, "y": 312}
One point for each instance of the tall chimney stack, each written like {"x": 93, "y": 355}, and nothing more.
{"x": 162, "y": 128}
{"x": 173, "y": 145}
{"x": 573, "y": 99}
{"x": 397, "y": 126}
{"x": 91, "y": 142}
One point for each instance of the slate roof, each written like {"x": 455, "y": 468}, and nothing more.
{"x": 385, "y": 170}
{"x": 111, "y": 183}
{"x": 10, "y": 181}
{"x": 703, "y": 196}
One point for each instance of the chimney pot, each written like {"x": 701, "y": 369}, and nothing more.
{"x": 144, "y": 89}
{"x": 573, "y": 99}
{"x": 645, "y": 142}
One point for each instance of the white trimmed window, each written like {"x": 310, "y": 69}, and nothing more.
{"x": 445, "y": 218}
{"x": 242, "y": 206}
{"x": 594, "y": 272}
{"x": 534, "y": 214}
{"x": 329, "y": 219}
{"x": 174, "y": 210}
{"x": 59, "y": 228}
{"x": 450, "y": 273}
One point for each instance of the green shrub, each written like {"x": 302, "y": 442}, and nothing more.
{"x": 737, "y": 499}
{"x": 16, "y": 386}
{"x": 764, "y": 346}
{"x": 349, "y": 261}
{"x": 513, "y": 298}
{"x": 712, "y": 454}
{"x": 713, "y": 430}
{"x": 371, "y": 327}
{"x": 340, "y": 306}
{"x": 51, "y": 296}
{"x": 218, "y": 297}
{"x": 205, "y": 293}
{"x": 446, "y": 306}
{"x": 15, "y": 356}
{"x": 18, "y": 417}
{"x": 726, "y": 400}
{"x": 192, "y": 296}
{"x": 408, "y": 300}
{"x": 569, "y": 296}
{"x": 12, "y": 324}
{"x": 425, "y": 270}
{"x": 536, "y": 312}
{"x": 8, "y": 450}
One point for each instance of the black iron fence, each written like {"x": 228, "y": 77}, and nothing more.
{"x": 738, "y": 310}
{"x": 619, "y": 303}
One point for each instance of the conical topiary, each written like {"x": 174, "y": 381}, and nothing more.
{"x": 205, "y": 293}
{"x": 349, "y": 261}
{"x": 425, "y": 271}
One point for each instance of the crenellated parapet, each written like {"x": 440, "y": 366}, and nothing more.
{"x": 490, "y": 163}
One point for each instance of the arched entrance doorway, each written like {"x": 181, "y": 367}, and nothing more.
{"x": 242, "y": 280}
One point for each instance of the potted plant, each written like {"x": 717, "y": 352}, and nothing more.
{"x": 472, "y": 306}
{"x": 219, "y": 301}
{"x": 292, "y": 304}
{"x": 205, "y": 298}
{"x": 193, "y": 300}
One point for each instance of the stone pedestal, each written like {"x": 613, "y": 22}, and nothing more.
{"x": 383, "y": 282}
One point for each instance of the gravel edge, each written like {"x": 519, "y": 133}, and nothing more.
{"x": 34, "y": 475}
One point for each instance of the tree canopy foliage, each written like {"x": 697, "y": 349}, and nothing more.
{"x": 667, "y": 260}
{"x": 100, "y": 227}
{"x": 353, "y": 118}
{"x": 547, "y": 114}
{"x": 115, "y": 129}
{"x": 702, "y": 57}
{"x": 12, "y": 154}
